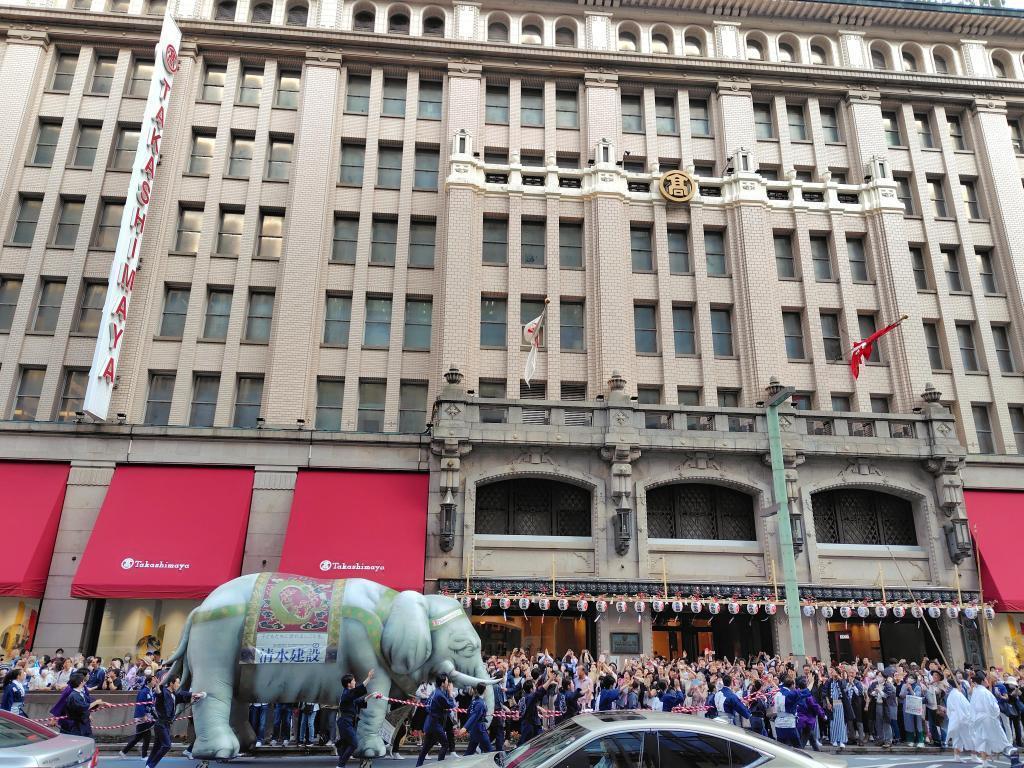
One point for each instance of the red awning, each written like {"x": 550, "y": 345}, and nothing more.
{"x": 369, "y": 525}
{"x": 33, "y": 497}
{"x": 167, "y": 533}
{"x": 994, "y": 518}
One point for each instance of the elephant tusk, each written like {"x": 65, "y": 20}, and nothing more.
{"x": 468, "y": 680}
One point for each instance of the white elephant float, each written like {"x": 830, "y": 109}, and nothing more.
{"x": 269, "y": 637}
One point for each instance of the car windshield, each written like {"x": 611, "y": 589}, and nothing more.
{"x": 16, "y": 733}
{"x": 537, "y": 751}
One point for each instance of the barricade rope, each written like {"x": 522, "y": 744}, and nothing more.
{"x": 53, "y": 720}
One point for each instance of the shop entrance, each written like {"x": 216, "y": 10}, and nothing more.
{"x": 533, "y": 631}
{"x": 725, "y": 635}
{"x": 882, "y": 640}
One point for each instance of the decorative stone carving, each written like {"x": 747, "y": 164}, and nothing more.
{"x": 621, "y": 458}
{"x": 698, "y": 460}
{"x": 531, "y": 455}
{"x": 859, "y": 466}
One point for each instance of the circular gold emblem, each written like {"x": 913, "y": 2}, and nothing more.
{"x": 677, "y": 186}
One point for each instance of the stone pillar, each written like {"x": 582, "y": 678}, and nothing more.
{"x": 292, "y": 358}
{"x": 976, "y": 60}
{"x": 466, "y": 21}
{"x": 61, "y": 617}
{"x": 273, "y": 490}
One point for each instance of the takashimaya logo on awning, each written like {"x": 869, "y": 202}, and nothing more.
{"x": 130, "y": 562}
{"x": 330, "y": 565}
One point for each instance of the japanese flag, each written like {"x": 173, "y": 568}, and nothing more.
{"x": 531, "y": 335}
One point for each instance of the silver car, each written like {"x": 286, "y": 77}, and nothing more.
{"x": 27, "y": 744}
{"x": 643, "y": 739}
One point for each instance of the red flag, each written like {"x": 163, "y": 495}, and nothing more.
{"x": 862, "y": 349}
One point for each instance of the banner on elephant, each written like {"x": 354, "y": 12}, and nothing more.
{"x": 292, "y": 620}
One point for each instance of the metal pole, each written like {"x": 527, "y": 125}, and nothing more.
{"x": 796, "y": 628}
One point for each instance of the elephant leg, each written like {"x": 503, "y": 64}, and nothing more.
{"x": 241, "y": 726}
{"x": 214, "y": 667}
{"x": 372, "y": 718}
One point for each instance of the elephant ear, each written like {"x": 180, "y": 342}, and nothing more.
{"x": 405, "y": 641}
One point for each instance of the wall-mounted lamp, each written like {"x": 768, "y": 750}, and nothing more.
{"x": 448, "y": 521}
{"x": 958, "y": 540}
{"x": 796, "y": 522}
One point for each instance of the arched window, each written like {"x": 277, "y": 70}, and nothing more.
{"x": 699, "y": 511}
{"x": 433, "y": 26}
{"x": 497, "y": 32}
{"x": 398, "y": 23}
{"x": 531, "y": 35}
{"x": 532, "y": 507}
{"x": 854, "y": 516}
{"x": 819, "y": 56}
{"x": 298, "y": 15}
{"x": 909, "y": 62}
{"x": 999, "y": 68}
{"x": 941, "y": 64}
{"x": 660, "y": 44}
{"x": 156, "y": 7}
{"x": 627, "y": 41}
{"x": 565, "y": 37}
{"x": 362, "y": 21}
{"x": 693, "y": 46}
{"x": 118, "y": 6}
{"x": 755, "y": 51}
{"x": 878, "y": 59}
{"x": 225, "y": 10}
{"x": 786, "y": 53}
{"x": 261, "y": 13}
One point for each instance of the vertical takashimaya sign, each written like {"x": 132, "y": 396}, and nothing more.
{"x": 133, "y": 221}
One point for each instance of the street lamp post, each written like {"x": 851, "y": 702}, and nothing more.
{"x": 778, "y": 394}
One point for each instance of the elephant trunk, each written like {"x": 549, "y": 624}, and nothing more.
{"x": 468, "y": 681}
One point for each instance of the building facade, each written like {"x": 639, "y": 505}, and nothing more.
{"x": 358, "y": 206}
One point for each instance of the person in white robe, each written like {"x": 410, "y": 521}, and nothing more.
{"x": 989, "y": 736}
{"x": 958, "y": 714}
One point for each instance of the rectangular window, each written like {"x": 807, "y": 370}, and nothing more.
{"x": 201, "y": 157}
{"x": 532, "y": 235}
{"x": 337, "y": 320}
{"x": 641, "y": 248}
{"x": 645, "y": 327}
{"x": 830, "y": 125}
{"x": 330, "y": 397}
{"x": 496, "y": 107}
{"x": 821, "y": 258}
{"x": 905, "y": 194}
{"x": 687, "y": 396}
{"x": 1017, "y": 424}
{"x": 422, "y": 242}
{"x": 389, "y": 167}
{"x": 393, "y": 97}
{"x": 495, "y": 246}
{"x": 570, "y": 245}
{"x": 68, "y": 220}
{"x": 567, "y": 108}
{"x": 530, "y": 309}
{"x": 531, "y": 107}
{"x": 357, "y": 94}
{"x": 866, "y": 325}
{"x": 665, "y": 114}
{"x": 46, "y": 142}
{"x": 289, "y": 83}
{"x": 372, "y": 395}
{"x": 240, "y": 158}
{"x": 572, "y": 326}
{"x": 418, "y": 319}
{"x": 90, "y": 309}
{"x": 218, "y": 313}
{"x": 279, "y": 159}
{"x": 937, "y": 188}
{"x": 968, "y": 352}
{"x": 30, "y": 387}
{"x": 951, "y": 261}
{"x": 73, "y": 395}
{"x": 700, "y": 118}
{"x": 679, "y": 252}
{"x": 919, "y": 264}
{"x": 956, "y": 132}
{"x": 85, "y": 147}
{"x": 841, "y": 403}
{"x": 923, "y": 126}
{"x": 352, "y": 159}
{"x": 229, "y": 235}
{"x": 425, "y": 176}
{"x": 26, "y": 219}
{"x": 891, "y": 126}
{"x": 259, "y": 317}
{"x": 986, "y": 269}
{"x": 377, "y": 330}
{"x": 879, "y": 403}
{"x": 64, "y": 72}
{"x": 831, "y": 336}
{"x": 1004, "y": 352}
{"x": 934, "y": 347}
{"x": 103, "y": 75}
{"x": 412, "y": 407}
{"x": 430, "y": 100}
{"x": 158, "y": 402}
{"x": 213, "y": 83}
{"x": 728, "y": 398}
{"x": 51, "y": 296}
{"x": 714, "y": 252}
{"x": 250, "y": 86}
{"x": 10, "y": 290}
{"x": 271, "y": 237}
{"x": 797, "y": 122}
{"x": 970, "y": 192}
{"x": 785, "y": 266}
{"x": 858, "y": 260}
{"x": 140, "y": 78}
{"x": 346, "y": 239}
{"x": 125, "y": 145}
{"x": 793, "y": 331}
{"x": 683, "y": 331}
{"x": 632, "y": 113}
{"x": 204, "y": 400}
{"x": 983, "y": 427}
{"x": 383, "y": 241}
{"x": 248, "y": 400}
{"x": 190, "y": 226}
{"x": 764, "y": 127}
{"x": 172, "y": 321}
{"x": 493, "y": 322}
{"x": 1017, "y": 138}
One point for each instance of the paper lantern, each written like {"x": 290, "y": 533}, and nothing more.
{"x": 881, "y": 611}
{"x": 602, "y": 606}
{"x": 696, "y": 606}
{"x": 524, "y": 603}
{"x": 953, "y": 611}
{"x": 714, "y": 608}
{"x": 845, "y": 611}
{"x": 899, "y": 611}
{"x": 807, "y": 610}
{"x": 771, "y": 609}
{"x": 970, "y": 613}
{"x": 658, "y": 606}
{"x": 485, "y": 603}
{"x": 639, "y": 606}
{"x": 827, "y": 611}
{"x": 563, "y": 604}
{"x": 934, "y": 611}
{"x": 677, "y": 606}
{"x": 752, "y": 608}
{"x": 544, "y": 604}
{"x": 916, "y": 612}
{"x": 734, "y": 607}
{"x": 582, "y": 605}
{"x": 467, "y": 602}
{"x": 863, "y": 611}
{"x": 504, "y": 603}
{"x": 990, "y": 612}
{"x": 620, "y": 606}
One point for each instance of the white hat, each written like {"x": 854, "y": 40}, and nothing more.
{"x": 1011, "y": 681}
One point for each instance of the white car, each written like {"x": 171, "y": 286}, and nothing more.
{"x": 27, "y": 744}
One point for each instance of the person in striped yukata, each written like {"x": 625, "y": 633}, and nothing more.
{"x": 838, "y": 710}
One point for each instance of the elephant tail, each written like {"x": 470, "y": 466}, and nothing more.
{"x": 179, "y": 659}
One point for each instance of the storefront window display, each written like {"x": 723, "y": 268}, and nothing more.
{"x": 133, "y": 627}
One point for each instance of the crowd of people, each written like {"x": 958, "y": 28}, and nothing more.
{"x": 52, "y": 673}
